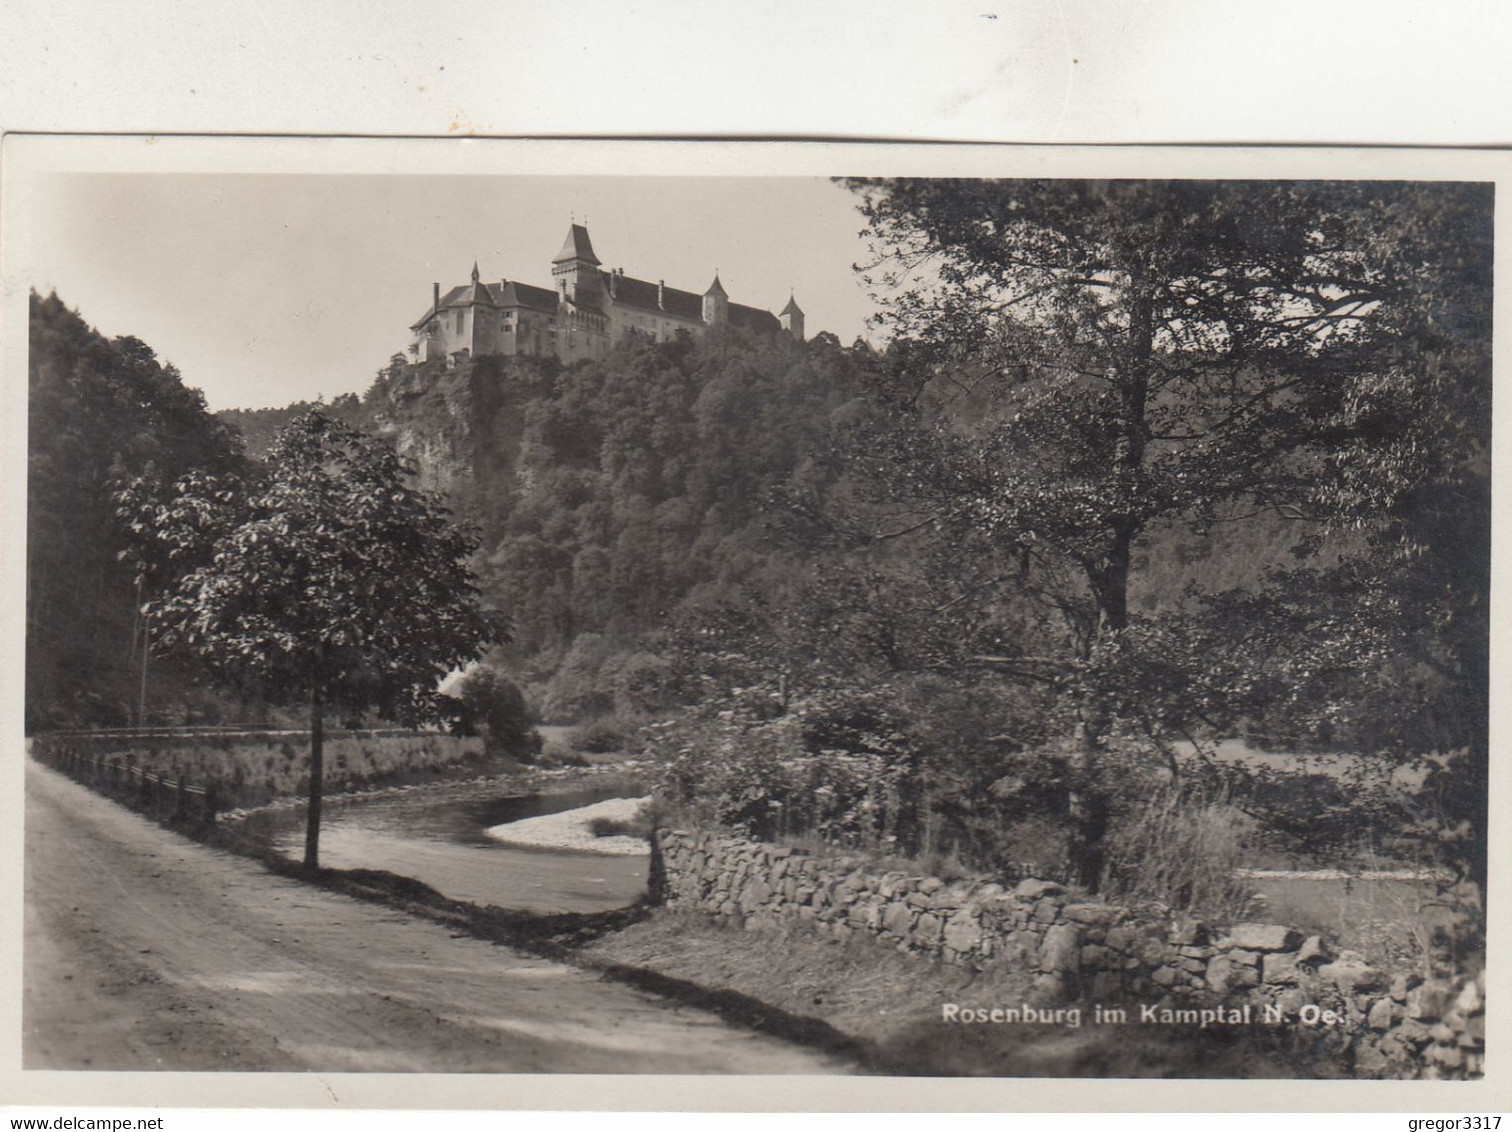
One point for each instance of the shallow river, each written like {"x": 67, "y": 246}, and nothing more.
{"x": 439, "y": 839}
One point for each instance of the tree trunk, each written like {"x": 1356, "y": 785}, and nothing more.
{"x": 317, "y": 770}
{"x": 1087, "y": 798}
{"x": 146, "y": 652}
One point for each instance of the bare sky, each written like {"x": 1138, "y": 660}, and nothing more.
{"x": 266, "y": 289}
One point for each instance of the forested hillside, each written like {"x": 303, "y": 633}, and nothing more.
{"x": 644, "y": 515}
{"x": 99, "y": 411}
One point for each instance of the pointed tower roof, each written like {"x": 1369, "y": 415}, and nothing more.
{"x": 475, "y": 292}
{"x": 577, "y": 246}
{"x": 792, "y": 306}
{"x": 716, "y": 287}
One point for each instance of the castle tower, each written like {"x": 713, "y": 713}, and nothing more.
{"x": 576, "y": 269}
{"x": 791, "y": 318}
{"x": 716, "y": 304}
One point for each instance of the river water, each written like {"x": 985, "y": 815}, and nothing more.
{"x": 439, "y": 838}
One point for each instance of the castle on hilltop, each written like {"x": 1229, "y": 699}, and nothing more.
{"x": 582, "y": 316}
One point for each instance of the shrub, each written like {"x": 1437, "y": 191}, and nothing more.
{"x": 600, "y": 737}
{"x": 556, "y": 755}
{"x": 495, "y": 707}
{"x": 640, "y": 825}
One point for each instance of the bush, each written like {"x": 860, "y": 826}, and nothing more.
{"x": 601, "y": 737}
{"x": 556, "y": 755}
{"x": 495, "y": 707}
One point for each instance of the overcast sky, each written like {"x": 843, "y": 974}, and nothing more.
{"x": 267, "y": 289}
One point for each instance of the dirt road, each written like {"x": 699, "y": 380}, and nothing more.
{"x": 144, "y": 950}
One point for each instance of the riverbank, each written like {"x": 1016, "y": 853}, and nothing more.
{"x": 519, "y": 779}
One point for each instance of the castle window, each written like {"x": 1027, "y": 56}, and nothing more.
{"x": 460, "y": 315}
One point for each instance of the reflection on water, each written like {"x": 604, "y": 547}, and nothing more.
{"x": 441, "y": 841}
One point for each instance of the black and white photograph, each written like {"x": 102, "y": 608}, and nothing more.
{"x": 753, "y": 610}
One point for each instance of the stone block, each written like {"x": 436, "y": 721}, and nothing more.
{"x": 898, "y": 918}
{"x": 1352, "y": 975}
{"x": 1314, "y": 951}
{"x": 1411, "y": 1031}
{"x": 1292, "y": 1000}
{"x": 930, "y": 885}
{"x": 1380, "y": 1015}
{"x": 1047, "y": 990}
{"x": 1092, "y": 955}
{"x": 866, "y": 914}
{"x": 1047, "y": 911}
{"x": 1469, "y": 1000}
{"x": 928, "y": 930}
{"x": 1030, "y": 890}
{"x": 963, "y": 932}
{"x": 1449, "y": 1057}
{"x": 1188, "y": 933}
{"x": 756, "y": 893}
{"x": 1430, "y": 1001}
{"x": 1091, "y": 913}
{"x": 1265, "y": 937}
{"x": 1473, "y": 1035}
{"x": 1280, "y": 967}
{"x": 948, "y": 898}
{"x": 1399, "y": 988}
{"x": 1224, "y": 975}
{"x": 1121, "y": 938}
{"x": 1061, "y": 950}
{"x": 1195, "y": 952}
{"x": 1164, "y": 976}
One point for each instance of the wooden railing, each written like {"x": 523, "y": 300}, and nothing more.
{"x": 158, "y": 796}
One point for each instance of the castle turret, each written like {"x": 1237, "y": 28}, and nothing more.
{"x": 576, "y": 268}
{"x": 791, "y": 318}
{"x": 716, "y": 304}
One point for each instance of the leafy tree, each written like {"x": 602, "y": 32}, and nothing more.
{"x": 326, "y": 580}
{"x": 1078, "y": 364}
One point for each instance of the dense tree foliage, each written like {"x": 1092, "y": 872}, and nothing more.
{"x": 1085, "y": 363}
{"x": 622, "y": 498}
{"x": 99, "y": 411}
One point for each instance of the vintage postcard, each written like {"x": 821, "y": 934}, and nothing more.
{"x": 738, "y": 620}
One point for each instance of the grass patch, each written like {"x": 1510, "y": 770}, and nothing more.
{"x": 890, "y": 1005}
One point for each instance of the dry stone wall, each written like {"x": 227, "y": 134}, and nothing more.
{"x": 1388, "y": 1024}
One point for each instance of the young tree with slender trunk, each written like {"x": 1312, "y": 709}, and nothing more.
{"x": 326, "y": 581}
